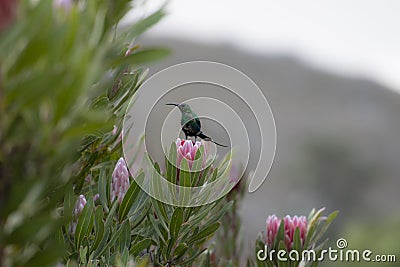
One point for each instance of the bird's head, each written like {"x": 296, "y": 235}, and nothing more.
{"x": 183, "y": 107}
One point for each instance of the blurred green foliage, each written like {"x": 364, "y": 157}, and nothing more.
{"x": 64, "y": 76}
{"x": 67, "y": 74}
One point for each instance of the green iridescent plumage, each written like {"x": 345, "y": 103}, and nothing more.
{"x": 190, "y": 122}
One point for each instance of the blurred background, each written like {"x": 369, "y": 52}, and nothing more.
{"x": 330, "y": 71}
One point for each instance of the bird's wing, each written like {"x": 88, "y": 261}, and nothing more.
{"x": 198, "y": 122}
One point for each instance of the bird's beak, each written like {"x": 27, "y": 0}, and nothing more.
{"x": 172, "y": 104}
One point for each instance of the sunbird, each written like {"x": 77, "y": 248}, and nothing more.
{"x": 190, "y": 123}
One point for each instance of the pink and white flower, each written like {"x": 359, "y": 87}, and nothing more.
{"x": 80, "y": 204}
{"x": 186, "y": 149}
{"x": 273, "y": 223}
{"x": 290, "y": 226}
{"x": 120, "y": 181}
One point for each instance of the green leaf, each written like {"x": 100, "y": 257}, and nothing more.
{"x": 201, "y": 214}
{"x": 171, "y": 168}
{"x": 269, "y": 263}
{"x": 110, "y": 215}
{"x": 144, "y": 24}
{"x": 139, "y": 216}
{"x": 69, "y": 201}
{"x": 220, "y": 213}
{"x": 155, "y": 182}
{"x": 157, "y": 167}
{"x": 171, "y": 243}
{"x": 280, "y": 235}
{"x": 281, "y": 246}
{"x": 197, "y": 166}
{"x": 296, "y": 240}
{"x": 321, "y": 230}
{"x": 102, "y": 246}
{"x": 125, "y": 236}
{"x": 180, "y": 250}
{"x": 206, "y": 232}
{"x": 176, "y": 222}
{"x": 111, "y": 242}
{"x": 214, "y": 175}
{"x": 83, "y": 255}
{"x": 140, "y": 57}
{"x": 314, "y": 216}
{"x": 332, "y": 216}
{"x": 159, "y": 208}
{"x": 184, "y": 181}
{"x": 205, "y": 261}
{"x": 85, "y": 223}
{"x": 192, "y": 258}
{"x": 98, "y": 228}
{"x": 156, "y": 228}
{"x": 163, "y": 231}
{"x": 204, "y": 175}
{"x": 140, "y": 246}
{"x": 102, "y": 188}
{"x": 129, "y": 198}
{"x": 184, "y": 174}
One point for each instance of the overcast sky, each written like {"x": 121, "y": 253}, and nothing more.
{"x": 352, "y": 37}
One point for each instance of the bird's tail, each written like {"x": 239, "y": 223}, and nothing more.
{"x": 206, "y": 138}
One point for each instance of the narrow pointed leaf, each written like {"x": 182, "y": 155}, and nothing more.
{"x": 180, "y": 250}
{"x": 176, "y": 222}
{"x": 205, "y": 233}
{"x": 140, "y": 246}
{"x": 85, "y": 223}
{"x": 129, "y": 198}
{"x": 296, "y": 240}
{"x": 102, "y": 188}
{"x": 98, "y": 228}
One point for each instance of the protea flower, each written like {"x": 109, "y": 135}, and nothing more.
{"x": 290, "y": 225}
{"x": 273, "y": 223}
{"x": 80, "y": 204}
{"x": 186, "y": 149}
{"x": 120, "y": 181}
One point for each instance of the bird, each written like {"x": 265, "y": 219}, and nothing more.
{"x": 190, "y": 122}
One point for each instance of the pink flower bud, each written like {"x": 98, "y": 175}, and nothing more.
{"x": 72, "y": 228}
{"x": 273, "y": 223}
{"x": 88, "y": 178}
{"x": 120, "y": 181}
{"x": 234, "y": 174}
{"x": 114, "y": 130}
{"x": 80, "y": 204}
{"x": 63, "y": 4}
{"x": 128, "y": 52}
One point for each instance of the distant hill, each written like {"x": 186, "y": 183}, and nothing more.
{"x": 338, "y": 137}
